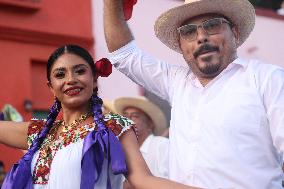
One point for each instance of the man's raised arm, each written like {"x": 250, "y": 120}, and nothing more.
{"x": 117, "y": 32}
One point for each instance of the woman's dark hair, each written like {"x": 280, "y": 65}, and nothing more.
{"x": 73, "y": 49}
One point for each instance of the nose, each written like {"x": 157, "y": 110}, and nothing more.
{"x": 71, "y": 79}
{"x": 202, "y": 36}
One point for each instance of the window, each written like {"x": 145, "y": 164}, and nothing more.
{"x": 40, "y": 114}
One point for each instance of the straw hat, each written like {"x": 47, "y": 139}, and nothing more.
{"x": 153, "y": 111}
{"x": 108, "y": 106}
{"x": 240, "y": 12}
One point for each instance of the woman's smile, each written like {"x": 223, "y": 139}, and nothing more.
{"x": 73, "y": 91}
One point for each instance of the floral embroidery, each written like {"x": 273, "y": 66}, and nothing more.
{"x": 34, "y": 128}
{"x": 117, "y": 123}
{"x": 50, "y": 147}
{"x": 52, "y": 144}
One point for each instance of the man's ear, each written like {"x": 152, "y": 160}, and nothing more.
{"x": 236, "y": 33}
{"x": 151, "y": 125}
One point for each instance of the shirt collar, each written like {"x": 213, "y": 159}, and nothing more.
{"x": 241, "y": 62}
{"x": 236, "y": 62}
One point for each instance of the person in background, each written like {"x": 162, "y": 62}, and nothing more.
{"x": 2, "y": 117}
{"x": 2, "y": 173}
{"x": 280, "y": 11}
{"x": 150, "y": 122}
{"x": 283, "y": 173}
{"x": 227, "y": 116}
{"x": 9, "y": 113}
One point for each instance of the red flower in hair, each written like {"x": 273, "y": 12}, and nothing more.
{"x": 103, "y": 67}
{"x": 128, "y": 7}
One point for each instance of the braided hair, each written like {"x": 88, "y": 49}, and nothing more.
{"x": 97, "y": 111}
{"x": 53, "y": 112}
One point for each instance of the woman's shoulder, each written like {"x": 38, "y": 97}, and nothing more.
{"x": 117, "y": 123}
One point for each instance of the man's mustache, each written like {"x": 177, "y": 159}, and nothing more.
{"x": 205, "y": 48}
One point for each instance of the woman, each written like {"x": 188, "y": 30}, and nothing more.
{"x": 82, "y": 150}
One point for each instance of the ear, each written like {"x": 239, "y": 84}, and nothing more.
{"x": 236, "y": 33}
{"x": 95, "y": 82}
{"x": 48, "y": 83}
{"x": 151, "y": 125}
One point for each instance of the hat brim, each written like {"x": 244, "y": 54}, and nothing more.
{"x": 157, "y": 116}
{"x": 240, "y": 12}
{"x": 108, "y": 106}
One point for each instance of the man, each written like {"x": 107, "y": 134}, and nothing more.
{"x": 149, "y": 120}
{"x": 227, "y": 117}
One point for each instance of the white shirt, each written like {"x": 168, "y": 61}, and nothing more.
{"x": 155, "y": 151}
{"x": 229, "y": 134}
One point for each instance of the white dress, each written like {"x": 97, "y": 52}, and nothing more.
{"x": 64, "y": 171}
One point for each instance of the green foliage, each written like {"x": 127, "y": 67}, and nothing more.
{"x": 269, "y": 4}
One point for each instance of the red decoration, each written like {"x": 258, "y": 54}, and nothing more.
{"x": 128, "y": 8}
{"x": 103, "y": 67}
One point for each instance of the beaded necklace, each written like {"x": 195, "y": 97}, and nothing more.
{"x": 75, "y": 123}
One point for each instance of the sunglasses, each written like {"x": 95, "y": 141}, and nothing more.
{"x": 211, "y": 27}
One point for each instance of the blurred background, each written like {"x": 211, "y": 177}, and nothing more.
{"x": 31, "y": 29}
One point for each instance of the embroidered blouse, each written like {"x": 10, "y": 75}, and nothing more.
{"x": 57, "y": 164}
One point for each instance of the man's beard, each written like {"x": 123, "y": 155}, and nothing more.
{"x": 209, "y": 69}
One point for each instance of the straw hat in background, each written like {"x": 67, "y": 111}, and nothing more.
{"x": 153, "y": 111}
{"x": 240, "y": 12}
{"x": 108, "y": 106}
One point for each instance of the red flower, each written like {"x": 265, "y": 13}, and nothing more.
{"x": 128, "y": 7}
{"x": 103, "y": 67}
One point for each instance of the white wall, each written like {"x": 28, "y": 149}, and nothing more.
{"x": 266, "y": 42}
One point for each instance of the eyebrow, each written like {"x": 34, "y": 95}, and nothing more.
{"x": 74, "y": 67}
{"x": 58, "y": 69}
{"x": 79, "y": 66}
